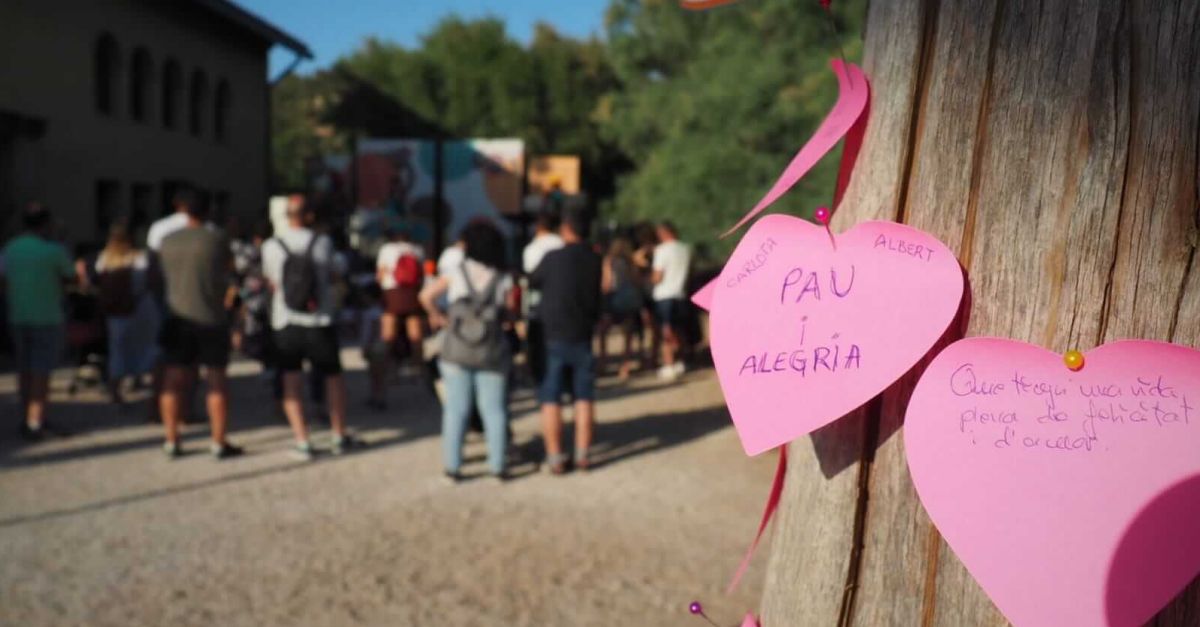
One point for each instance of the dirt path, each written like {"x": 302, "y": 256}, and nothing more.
{"x": 99, "y": 529}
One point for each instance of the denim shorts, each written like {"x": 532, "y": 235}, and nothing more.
{"x": 669, "y": 311}
{"x": 559, "y": 357}
{"x": 38, "y": 347}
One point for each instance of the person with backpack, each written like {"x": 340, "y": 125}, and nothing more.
{"x": 476, "y": 355}
{"x": 399, "y": 270}
{"x": 302, "y": 269}
{"x": 197, "y": 269}
{"x": 124, "y": 282}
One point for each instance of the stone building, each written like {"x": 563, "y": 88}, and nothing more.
{"x": 107, "y": 106}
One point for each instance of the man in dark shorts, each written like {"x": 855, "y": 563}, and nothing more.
{"x": 33, "y": 269}
{"x": 309, "y": 334}
{"x": 197, "y": 268}
{"x": 569, "y": 280}
{"x": 672, "y": 259}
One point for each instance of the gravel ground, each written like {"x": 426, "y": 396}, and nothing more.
{"x": 100, "y": 529}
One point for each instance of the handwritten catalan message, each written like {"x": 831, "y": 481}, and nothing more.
{"x": 1035, "y": 474}
{"x": 1068, "y": 413}
{"x": 806, "y": 325}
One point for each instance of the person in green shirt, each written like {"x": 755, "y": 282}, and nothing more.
{"x": 34, "y": 271}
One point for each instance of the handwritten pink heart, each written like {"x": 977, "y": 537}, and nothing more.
{"x": 805, "y": 330}
{"x": 1073, "y": 498}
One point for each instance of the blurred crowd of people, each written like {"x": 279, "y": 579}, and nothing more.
{"x": 470, "y": 326}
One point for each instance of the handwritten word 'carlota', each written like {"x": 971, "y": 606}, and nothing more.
{"x": 812, "y": 284}
{"x": 920, "y": 251}
{"x": 801, "y": 361}
{"x": 757, "y": 261}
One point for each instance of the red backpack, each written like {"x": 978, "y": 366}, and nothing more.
{"x": 407, "y": 272}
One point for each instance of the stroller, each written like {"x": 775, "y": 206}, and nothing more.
{"x": 87, "y": 342}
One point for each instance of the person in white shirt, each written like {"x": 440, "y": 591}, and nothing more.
{"x": 669, "y": 274}
{"x": 545, "y": 239}
{"x": 399, "y": 268}
{"x": 310, "y": 334}
{"x": 163, "y": 227}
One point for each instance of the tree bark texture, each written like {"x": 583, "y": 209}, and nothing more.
{"x": 1054, "y": 146}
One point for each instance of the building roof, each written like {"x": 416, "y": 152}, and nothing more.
{"x": 256, "y": 25}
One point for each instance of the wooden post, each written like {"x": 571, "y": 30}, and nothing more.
{"x": 1053, "y": 145}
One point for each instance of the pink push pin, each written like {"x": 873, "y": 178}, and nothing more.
{"x": 822, "y": 216}
{"x": 698, "y": 610}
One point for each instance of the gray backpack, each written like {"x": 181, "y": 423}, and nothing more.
{"x": 474, "y": 337}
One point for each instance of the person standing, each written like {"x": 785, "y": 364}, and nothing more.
{"x": 302, "y": 269}
{"x": 124, "y": 280}
{"x": 545, "y": 239}
{"x": 34, "y": 271}
{"x": 399, "y": 269}
{"x": 569, "y": 280}
{"x": 475, "y": 356}
{"x": 670, "y": 271}
{"x": 197, "y": 269}
{"x": 623, "y": 297}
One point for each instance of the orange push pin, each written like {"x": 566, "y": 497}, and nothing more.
{"x": 1073, "y": 359}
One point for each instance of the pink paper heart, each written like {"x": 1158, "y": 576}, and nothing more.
{"x": 803, "y": 332}
{"x": 1073, "y": 498}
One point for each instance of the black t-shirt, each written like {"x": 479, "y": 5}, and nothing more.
{"x": 569, "y": 280}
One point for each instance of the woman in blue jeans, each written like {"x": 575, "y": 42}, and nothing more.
{"x": 475, "y": 357}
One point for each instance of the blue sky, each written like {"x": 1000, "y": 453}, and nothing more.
{"x": 334, "y": 28}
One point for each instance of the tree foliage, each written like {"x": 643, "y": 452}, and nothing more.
{"x": 713, "y": 105}
{"x": 676, "y": 114}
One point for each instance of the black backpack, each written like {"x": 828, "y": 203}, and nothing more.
{"x": 299, "y": 280}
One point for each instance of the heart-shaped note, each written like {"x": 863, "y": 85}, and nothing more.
{"x": 1073, "y": 497}
{"x": 806, "y": 326}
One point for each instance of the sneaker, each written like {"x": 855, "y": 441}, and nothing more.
{"x": 303, "y": 451}
{"x": 32, "y": 434}
{"x": 225, "y": 450}
{"x": 679, "y": 369}
{"x": 344, "y": 443}
{"x": 668, "y": 373}
{"x": 173, "y": 450}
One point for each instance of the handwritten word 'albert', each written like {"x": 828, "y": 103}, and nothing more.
{"x": 920, "y": 251}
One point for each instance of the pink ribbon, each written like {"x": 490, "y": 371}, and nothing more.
{"x": 768, "y": 512}
{"x": 853, "y": 94}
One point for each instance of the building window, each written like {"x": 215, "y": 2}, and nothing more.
{"x": 198, "y": 102}
{"x": 172, "y": 93}
{"x": 221, "y": 119}
{"x": 141, "y": 85}
{"x": 141, "y": 198}
{"x": 168, "y": 187}
{"x": 107, "y": 61}
{"x": 219, "y": 210}
{"x": 108, "y": 203}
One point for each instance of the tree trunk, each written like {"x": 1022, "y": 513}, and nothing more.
{"x": 1053, "y": 145}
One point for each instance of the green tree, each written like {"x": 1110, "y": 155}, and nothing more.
{"x": 712, "y": 105}
{"x": 298, "y": 130}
